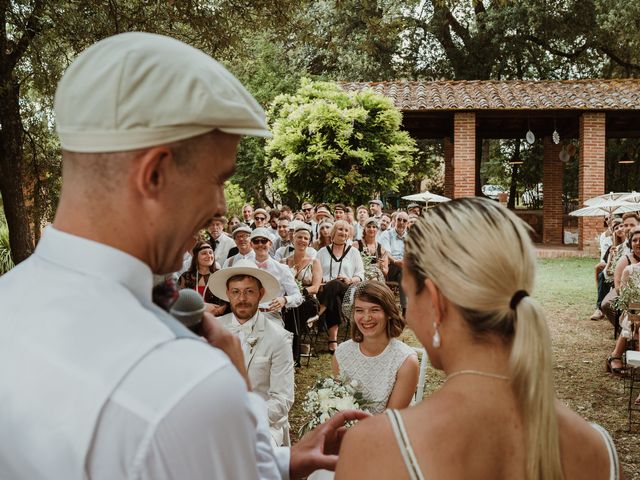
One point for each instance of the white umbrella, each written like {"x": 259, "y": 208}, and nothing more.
{"x": 633, "y": 197}
{"x": 607, "y": 197}
{"x": 606, "y": 207}
{"x": 426, "y": 197}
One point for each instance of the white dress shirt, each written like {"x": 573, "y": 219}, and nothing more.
{"x": 96, "y": 384}
{"x": 224, "y": 243}
{"x": 350, "y": 266}
{"x": 288, "y": 286}
{"x": 230, "y": 261}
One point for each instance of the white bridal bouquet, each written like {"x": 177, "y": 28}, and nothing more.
{"x": 329, "y": 396}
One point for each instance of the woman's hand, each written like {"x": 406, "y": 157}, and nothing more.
{"x": 277, "y": 304}
{"x": 344, "y": 279}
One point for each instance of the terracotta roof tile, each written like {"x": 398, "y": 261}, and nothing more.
{"x": 596, "y": 94}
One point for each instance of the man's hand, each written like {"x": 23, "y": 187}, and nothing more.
{"x": 221, "y": 338}
{"x": 319, "y": 448}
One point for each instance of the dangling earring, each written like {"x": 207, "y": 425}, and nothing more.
{"x": 436, "y": 336}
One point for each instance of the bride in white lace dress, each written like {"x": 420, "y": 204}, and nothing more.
{"x": 385, "y": 368}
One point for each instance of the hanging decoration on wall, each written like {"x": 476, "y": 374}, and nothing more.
{"x": 555, "y": 136}
{"x": 531, "y": 138}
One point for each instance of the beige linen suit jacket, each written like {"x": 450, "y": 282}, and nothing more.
{"x": 270, "y": 366}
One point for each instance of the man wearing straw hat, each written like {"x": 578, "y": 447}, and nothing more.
{"x": 266, "y": 345}
{"x": 97, "y": 381}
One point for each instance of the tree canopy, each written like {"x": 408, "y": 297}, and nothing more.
{"x": 329, "y": 145}
{"x": 271, "y": 45}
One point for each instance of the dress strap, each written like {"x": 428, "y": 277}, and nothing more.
{"x": 614, "y": 466}
{"x": 409, "y": 457}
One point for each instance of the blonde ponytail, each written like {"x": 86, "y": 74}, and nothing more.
{"x": 479, "y": 255}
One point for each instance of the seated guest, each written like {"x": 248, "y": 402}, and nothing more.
{"x": 243, "y": 246}
{"x": 339, "y": 212}
{"x": 260, "y": 220}
{"x": 370, "y": 246}
{"x": 375, "y": 208}
{"x": 361, "y": 215}
{"x": 284, "y": 252}
{"x": 393, "y": 242}
{"x": 283, "y": 237}
{"x": 220, "y": 242}
{"x": 274, "y": 216}
{"x": 289, "y": 294}
{"x": 203, "y": 264}
{"x": 286, "y": 212}
{"x": 628, "y": 261}
{"x": 469, "y": 266}
{"x": 385, "y": 368}
{"x": 266, "y": 345}
{"x": 341, "y": 266}
{"x": 414, "y": 209}
{"x": 385, "y": 223}
{"x": 247, "y": 214}
{"x": 604, "y": 286}
{"x": 412, "y": 220}
{"x": 630, "y": 220}
{"x": 231, "y": 225}
{"x": 322, "y": 214}
{"x": 324, "y": 235}
{"x": 307, "y": 272}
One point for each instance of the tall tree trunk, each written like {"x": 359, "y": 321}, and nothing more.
{"x": 12, "y": 170}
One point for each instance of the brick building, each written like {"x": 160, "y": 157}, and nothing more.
{"x": 462, "y": 113}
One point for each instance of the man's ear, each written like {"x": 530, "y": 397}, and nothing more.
{"x": 151, "y": 176}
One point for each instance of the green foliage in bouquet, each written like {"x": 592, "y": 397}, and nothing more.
{"x": 629, "y": 293}
{"x": 333, "y": 146}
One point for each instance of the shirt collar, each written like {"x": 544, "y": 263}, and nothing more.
{"x": 96, "y": 259}
{"x": 246, "y": 325}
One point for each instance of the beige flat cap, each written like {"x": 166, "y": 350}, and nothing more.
{"x": 137, "y": 90}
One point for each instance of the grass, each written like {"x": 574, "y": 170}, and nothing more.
{"x": 566, "y": 290}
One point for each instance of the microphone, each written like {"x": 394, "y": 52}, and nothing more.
{"x": 189, "y": 308}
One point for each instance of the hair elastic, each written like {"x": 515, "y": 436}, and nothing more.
{"x": 515, "y": 300}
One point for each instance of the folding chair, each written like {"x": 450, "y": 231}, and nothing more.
{"x": 424, "y": 360}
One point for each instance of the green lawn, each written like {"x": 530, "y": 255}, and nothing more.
{"x": 566, "y": 290}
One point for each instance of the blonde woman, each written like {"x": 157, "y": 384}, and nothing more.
{"x": 469, "y": 266}
{"x": 341, "y": 266}
{"x": 324, "y": 235}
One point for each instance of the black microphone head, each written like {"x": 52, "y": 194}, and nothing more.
{"x": 189, "y": 307}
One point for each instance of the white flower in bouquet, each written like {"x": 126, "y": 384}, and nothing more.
{"x": 329, "y": 396}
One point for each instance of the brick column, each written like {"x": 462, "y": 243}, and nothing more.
{"x": 464, "y": 154}
{"x": 591, "y": 175}
{"x": 552, "y": 212}
{"x": 448, "y": 168}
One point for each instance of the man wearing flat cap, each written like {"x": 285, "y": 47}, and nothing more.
{"x": 265, "y": 344}
{"x": 375, "y": 208}
{"x": 99, "y": 381}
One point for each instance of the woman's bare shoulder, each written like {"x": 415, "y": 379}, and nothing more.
{"x": 583, "y": 448}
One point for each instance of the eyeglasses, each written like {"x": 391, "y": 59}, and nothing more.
{"x": 307, "y": 209}
{"x": 259, "y": 241}
{"x": 401, "y": 220}
{"x": 241, "y": 236}
{"x": 247, "y": 292}
{"x": 260, "y": 219}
